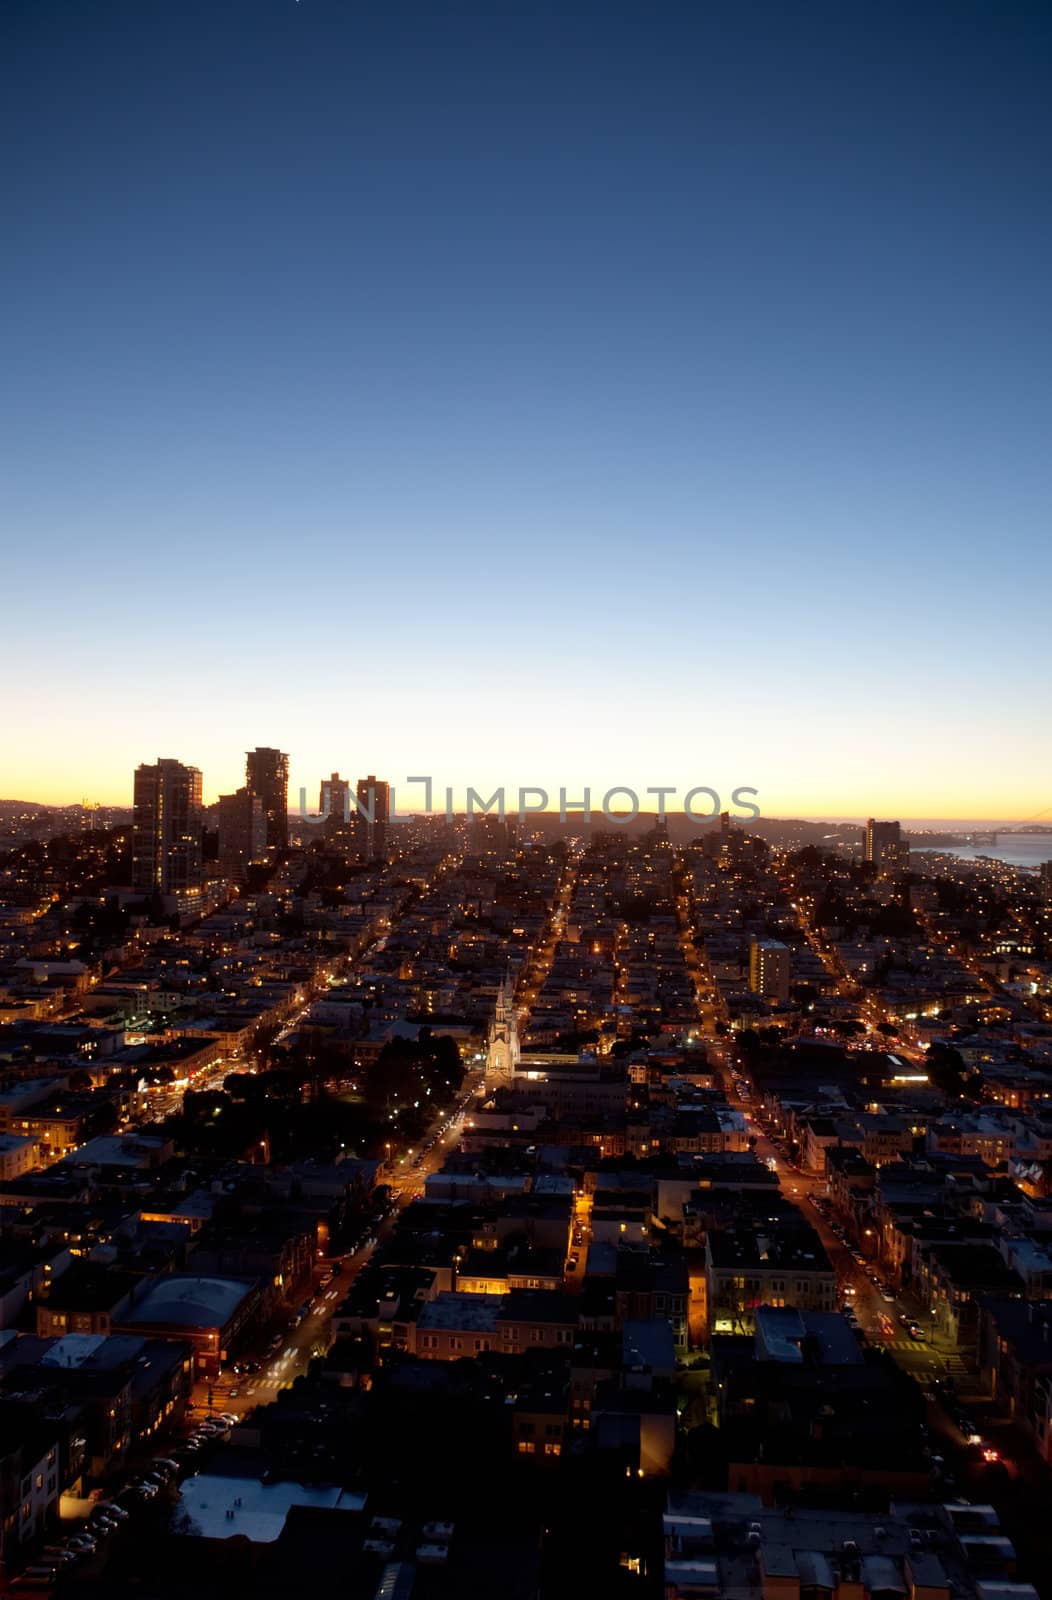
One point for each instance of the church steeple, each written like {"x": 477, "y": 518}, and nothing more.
{"x": 502, "y": 1053}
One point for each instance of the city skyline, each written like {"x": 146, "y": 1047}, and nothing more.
{"x": 409, "y": 797}
{"x": 652, "y": 402}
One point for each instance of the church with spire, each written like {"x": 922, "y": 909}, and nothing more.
{"x": 502, "y": 1052}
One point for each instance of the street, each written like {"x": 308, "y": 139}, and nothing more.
{"x": 239, "y": 1393}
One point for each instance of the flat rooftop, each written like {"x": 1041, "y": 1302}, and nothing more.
{"x": 220, "y": 1508}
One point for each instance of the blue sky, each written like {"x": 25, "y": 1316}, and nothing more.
{"x": 531, "y": 393}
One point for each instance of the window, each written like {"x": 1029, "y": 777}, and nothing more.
{"x": 525, "y": 1447}
{"x": 552, "y": 1449}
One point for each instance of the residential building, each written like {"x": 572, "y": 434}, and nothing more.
{"x": 769, "y": 968}
{"x": 167, "y": 855}
{"x": 242, "y": 832}
{"x": 267, "y": 775}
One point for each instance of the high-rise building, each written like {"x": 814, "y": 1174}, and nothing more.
{"x": 267, "y": 774}
{"x": 769, "y": 968}
{"x": 886, "y": 848}
{"x": 334, "y": 798}
{"x": 373, "y": 813}
{"x": 167, "y": 854}
{"x": 242, "y": 832}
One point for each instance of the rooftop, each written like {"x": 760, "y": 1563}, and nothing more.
{"x": 220, "y": 1508}
{"x": 184, "y": 1301}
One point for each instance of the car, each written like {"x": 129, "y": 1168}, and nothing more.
{"x": 888, "y": 1295}
{"x": 917, "y": 1332}
{"x": 82, "y": 1543}
{"x": 113, "y": 1510}
{"x": 572, "y": 1264}
{"x": 229, "y": 1416}
{"x": 165, "y": 1464}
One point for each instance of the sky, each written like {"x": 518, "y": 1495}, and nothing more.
{"x": 559, "y": 394}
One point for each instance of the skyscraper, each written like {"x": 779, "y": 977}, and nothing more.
{"x": 334, "y": 805}
{"x": 167, "y": 855}
{"x": 334, "y": 799}
{"x": 886, "y": 848}
{"x": 242, "y": 832}
{"x": 267, "y": 774}
{"x": 374, "y": 809}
